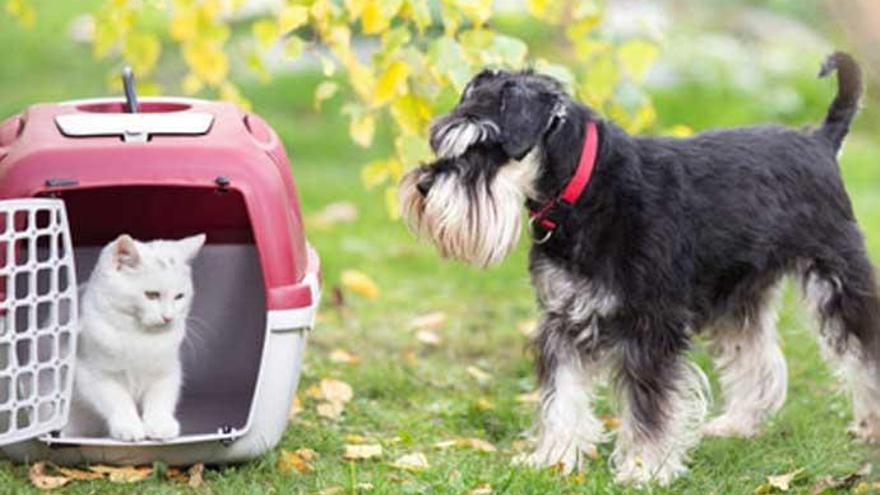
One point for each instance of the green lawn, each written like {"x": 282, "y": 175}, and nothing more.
{"x": 409, "y": 396}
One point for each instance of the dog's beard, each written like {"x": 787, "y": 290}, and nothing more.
{"x": 475, "y": 222}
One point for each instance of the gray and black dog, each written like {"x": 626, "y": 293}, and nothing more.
{"x": 669, "y": 238}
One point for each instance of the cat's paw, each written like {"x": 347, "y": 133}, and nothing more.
{"x": 127, "y": 429}
{"x": 161, "y": 427}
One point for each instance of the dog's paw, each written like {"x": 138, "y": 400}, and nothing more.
{"x": 127, "y": 429}
{"x": 161, "y": 427}
{"x": 729, "y": 426}
{"x": 866, "y": 429}
{"x": 636, "y": 472}
{"x": 564, "y": 459}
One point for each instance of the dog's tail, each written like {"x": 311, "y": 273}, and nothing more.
{"x": 846, "y": 103}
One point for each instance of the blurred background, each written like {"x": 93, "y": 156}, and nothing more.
{"x": 433, "y": 349}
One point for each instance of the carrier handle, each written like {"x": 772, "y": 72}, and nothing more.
{"x": 131, "y": 102}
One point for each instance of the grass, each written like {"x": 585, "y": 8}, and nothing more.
{"x": 410, "y": 396}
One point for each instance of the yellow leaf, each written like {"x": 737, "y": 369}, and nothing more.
{"x": 360, "y": 283}
{"x": 207, "y": 61}
{"x": 477, "y": 11}
{"x": 336, "y": 391}
{"x": 376, "y": 15}
{"x": 362, "y": 129}
{"x": 419, "y": 12}
{"x": 23, "y": 11}
{"x": 265, "y": 32}
{"x": 354, "y": 8}
{"x": 375, "y": 173}
{"x": 191, "y": 84}
{"x": 472, "y": 443}
{"x": 293, "y": 47}
{"x": 342, "y": 356}
{"x": 429, "y": 321}
{"x": 184, "y": 25}
{"x": 637, "y": 56}
{"x": 428, "y": 338}
{"x": 292, "y": 17}
{"x": 358, "y": 452}
{"x": 600, "y": 81}
{"x": 78, "y": 474}
{"x": 391, "y": 83}
{"x": 330, "y": 410}
{"x": 325, "y": 91}
{"x": 611, "y": 422}
{"x": 328, "y": 66}
{"x": 411, "y": 113}
{"x": 361, "y": 79}
{"x": 141, "y": 50}
{"x": 478, "y": 374}
{"x": 416, "y": 461}
{"x": 783, "y": 481}
{"x": 196, "y": 472}
{"x": 296, "y": 407}
{"x": 299, "y": 461}
{"x": 40, "y": 479}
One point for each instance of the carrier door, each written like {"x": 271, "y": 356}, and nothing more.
{"x": 38, "y": 318}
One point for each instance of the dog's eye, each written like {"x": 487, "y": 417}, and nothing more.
{"x": 178, "y": 297}
{"x": 152, "y": 295}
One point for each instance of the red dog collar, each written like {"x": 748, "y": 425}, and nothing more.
{"x": 548, "y": 216}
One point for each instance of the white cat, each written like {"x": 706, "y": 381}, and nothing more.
{"x": 132, "y": 322}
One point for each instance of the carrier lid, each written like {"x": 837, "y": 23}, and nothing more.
{"x": 134, "y": 127}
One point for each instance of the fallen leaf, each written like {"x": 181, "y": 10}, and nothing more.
{"x": 358, "y": 439}
{"x": 416, "y": 461}
{"x": 364, "y": 451}
{"x": 333, "y": 214}
{"x": 78, "y": 474}
{"x": 342, "y": 356}
{"x": 478, "y": 374}
{"x": 40, "y": 479}
{"x": 428, "y": 337}
{"x": 484, "y": 404}
{"x": 314, "y": 392}
{"x": 195, "y": 472}
{"x": 825, "y": 483}
{"x": 336, "y": 391}
{"x": 364, "y": 486}
{"x": 124, "y": 474}
{"x": 410, "y": 357}
{"x": 529, "y": 398}
{"x": 473, "y": 443}
{"x": 527, "y": 328}
{"x": 783, "y": 481}
{"x": 611, "y": 422}
{"x": 288, "y": 462}
{"x": 360, "y": 283}
{"x": 330, "y": 410}
{"x": 296, "y": 407}
{"x": 429, "y": 321}
{"x": 482, "y": 490}
{"x": 174, "y": 474}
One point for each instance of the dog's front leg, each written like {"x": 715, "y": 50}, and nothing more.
{"x": 664, "y": 400}
{"x": 568, "y": 431}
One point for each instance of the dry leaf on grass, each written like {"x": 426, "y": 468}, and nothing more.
{"x": 296, "y": 407}
{"x": 196, "y": 475}
{"x": 364, "y": 486}
{"x": 482, "y": 490}
{"x": 529, "y": 398}
{"x": 611, "y": 422}
{"x": 124, "y": 474}
{"x": 362, "y": 451}
{"x": 330, "y": 410}
{"x": 473, "y": 443}
{"x": 78, "y": 474}
{"x": 428, "y": 337}
{"x": 484, "y": 404}
{"x": 332, "y": 214}
{"x": 527, "y": 328}
{"x": 342, "y": 356}
{"x": 825, "y": 483}
{"x": 780, "y": 482}
{"x": 428, "y": 321}
{"x": 41, "y": 479}
{"x": 416, "y": 461}
{"x": 335, "y": 390}
{"x": 299, "y": 461}
{"x": 478, "y": 374}
{"x": 360, "y": 283}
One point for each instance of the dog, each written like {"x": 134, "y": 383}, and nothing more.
{"x": 642, "y": 243}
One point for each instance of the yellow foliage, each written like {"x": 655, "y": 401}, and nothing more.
{"x": 207, "y": 61}
{"x": 292, "y": 17}
{"x": 360, "y": 283}
{"x": 411, "y": 113}
{"x": 391, "y": 83}
{"x": 362, "y": 128}
{"x": 141, "y": 51}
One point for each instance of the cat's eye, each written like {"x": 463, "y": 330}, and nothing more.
{"x": 179, "y": 296}
{"x": 152, "y": 295}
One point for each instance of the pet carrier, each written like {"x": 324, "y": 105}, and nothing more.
{"x": 75, "y": 175}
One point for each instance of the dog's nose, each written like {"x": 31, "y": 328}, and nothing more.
{"x": 424, "y": 185}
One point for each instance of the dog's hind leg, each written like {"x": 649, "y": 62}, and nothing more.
{"x": 752, "y": 369}
{"x": 843, "y": 293}
{"x": 664, "y": 401}
{"x": 568, "y": 431}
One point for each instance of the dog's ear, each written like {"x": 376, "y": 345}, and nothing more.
{"x": 525, "y": 115}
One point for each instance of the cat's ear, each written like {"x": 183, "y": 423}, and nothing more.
{"x": 189, "y": 246}
{"x": 125, "y": 252}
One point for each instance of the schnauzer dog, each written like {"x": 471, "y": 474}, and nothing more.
{"x": 639, "y": 244}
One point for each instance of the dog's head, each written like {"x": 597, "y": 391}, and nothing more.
{"x": 490, "y": 153}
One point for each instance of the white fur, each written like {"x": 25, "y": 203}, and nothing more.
{"x": 753, "y": 374}
{"x": 639, "y": 457}
{"x": 860, "y": 375}
{"x": 482, "y": 231}
{"x": 462, "y": 135}
{"x": 568, "y": 431}
{"x": 128, "y": 365}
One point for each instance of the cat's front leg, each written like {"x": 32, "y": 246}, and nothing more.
{"x": 107, "y": 396}
{"x": 160, "y": 401}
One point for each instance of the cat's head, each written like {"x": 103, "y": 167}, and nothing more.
{"x": 151, "y": 281}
